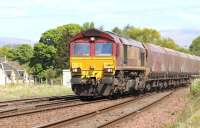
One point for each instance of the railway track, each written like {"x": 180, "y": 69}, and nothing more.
{"x": 45, "y": 107}
{"x": 29, "y": 106}
{"x": 15, "y": 105}
{"x": 37, "y": 99}
{"x": 133, "y": 113}
{"x": 109, "y": 115}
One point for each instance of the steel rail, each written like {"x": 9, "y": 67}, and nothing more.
{"x": 107, "y": 124}
{"x": 35, "y": 100}
{"x": 50, "y": 103}
{"x": 37, "y": 110}
{"x": 88, "y": 115}
{"x": 68, "y": 121}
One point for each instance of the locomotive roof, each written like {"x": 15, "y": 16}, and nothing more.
{"x": 108, "y": 35}
{"x": 127, "y": 41}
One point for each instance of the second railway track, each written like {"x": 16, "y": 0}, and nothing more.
{"x": 24, "y": 106}
{"x": 45, "y": 107}
{"x": 34, "y": 100}
{"x": 108, "y": 115}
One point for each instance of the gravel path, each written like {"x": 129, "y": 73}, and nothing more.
{"x": 158, "y": 116}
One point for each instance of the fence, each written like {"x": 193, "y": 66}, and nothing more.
{"x": 37, "y": 80}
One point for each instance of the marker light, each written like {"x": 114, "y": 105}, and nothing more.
{"x": 108, "y": 70}
{"x": 76, "y": 70}
{"x": 92, "y": 39}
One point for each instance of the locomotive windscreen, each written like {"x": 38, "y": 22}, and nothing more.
{"x": 81, "y": 49}
{"x": 103, "y": 49}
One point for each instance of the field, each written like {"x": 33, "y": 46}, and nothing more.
{"x": 190, "y": 117}
{"x": 10, "y": 92}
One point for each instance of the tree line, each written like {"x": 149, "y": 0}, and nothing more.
{"x": 51, "y": 54}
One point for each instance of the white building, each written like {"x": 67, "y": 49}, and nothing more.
{"x": 67, "y": 77}
{"x": 12, "y": 72}
{"x": 2, "y": 75}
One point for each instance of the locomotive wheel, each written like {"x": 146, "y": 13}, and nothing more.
{"x": 120, "y": 88}
{"x": 148, "y": 87}
{"x": 165, "y": 85}
{"x": 160, "y": 86}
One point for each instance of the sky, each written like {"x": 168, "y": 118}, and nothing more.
{"x": 30, "y": 18}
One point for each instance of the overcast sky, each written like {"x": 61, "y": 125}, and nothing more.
{"x": 29, "y": 18}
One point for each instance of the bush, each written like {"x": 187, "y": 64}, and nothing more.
{"x": 190, "y": 117}
{"x": 195, "y": 87}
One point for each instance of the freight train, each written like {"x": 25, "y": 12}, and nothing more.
{"x": 106, "y": 64}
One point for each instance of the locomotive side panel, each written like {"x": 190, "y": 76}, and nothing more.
{"x": 119, "y": 52}
{"x": 131, "y": 56}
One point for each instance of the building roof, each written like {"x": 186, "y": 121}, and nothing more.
{"x": 12, "y": 66}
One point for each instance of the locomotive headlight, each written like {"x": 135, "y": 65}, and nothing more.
{"x": 108, "y": 70}
{"x": 76, "y": 70}
{"x": 92, "y": 39}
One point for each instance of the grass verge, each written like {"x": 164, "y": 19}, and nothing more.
{"x": 10, "y": 92}
{"x": 190, "y": 117}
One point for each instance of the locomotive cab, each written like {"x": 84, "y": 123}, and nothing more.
{"x": 92, "y": 63}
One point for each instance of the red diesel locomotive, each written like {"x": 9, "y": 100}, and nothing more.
{"x": 105, "y": 64}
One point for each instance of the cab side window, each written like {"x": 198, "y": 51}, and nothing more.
{"x": 142, "y": 55}
{"x": 125, "y": 49}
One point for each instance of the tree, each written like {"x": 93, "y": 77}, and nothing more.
{"x": 59, "y": 38}
{"x": 50, "y": 73}
{"x": 51, "y": 37}
{"x": 6, "y": 51}
{"x": 185, "y": 50}
{"x": 43, "y": 58}
{"x": 148, "y": 35}
{"x": 145, "y": 35}
{"x": 52, "y": 53}
{"x": 37, "y": 70}
{"x": 22, "y": 53}
{"x": 167, "y": 42}
{"x": 87, "y": 25}
{"x": 195, "y": 46}
{"x": 117, "y": 31}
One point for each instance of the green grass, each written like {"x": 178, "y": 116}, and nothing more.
{"x": 190, "y": 117}
{"x": 10, "y": 92}
{"x": 195, "y": 88}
